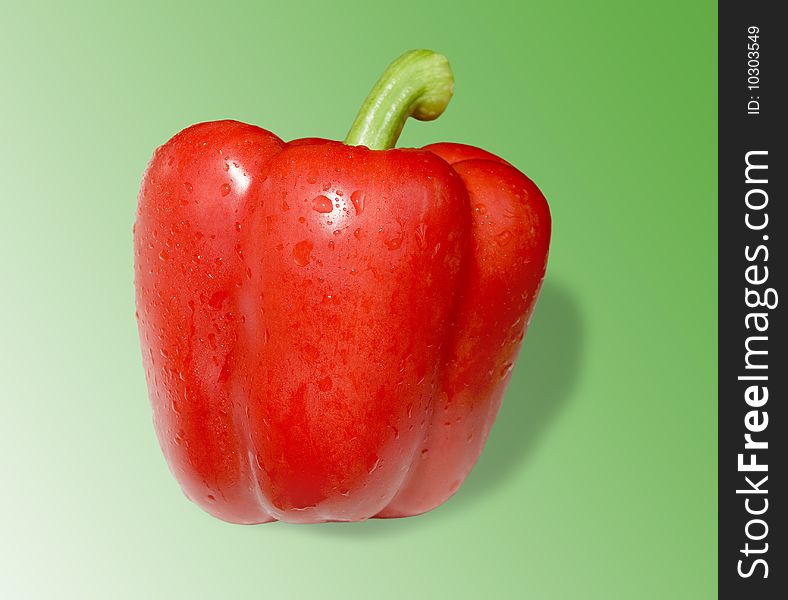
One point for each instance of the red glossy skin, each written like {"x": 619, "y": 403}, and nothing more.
{"x": 327, "y": 330}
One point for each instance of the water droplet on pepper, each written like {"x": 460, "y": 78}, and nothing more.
{"x": 357, "y": 198}
{"x": 322, "y": 204}
{"x": 503, "y": 238}
{"x": 301, "y": 252}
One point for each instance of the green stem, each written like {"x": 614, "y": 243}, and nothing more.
{"x": 418, "y": 84}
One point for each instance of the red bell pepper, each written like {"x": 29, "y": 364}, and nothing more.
{"x": 328, "y": 328}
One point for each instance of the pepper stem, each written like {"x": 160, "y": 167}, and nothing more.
{"x": 418, "y": 84}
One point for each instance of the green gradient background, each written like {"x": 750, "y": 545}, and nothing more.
{"x": 599, "y": 480}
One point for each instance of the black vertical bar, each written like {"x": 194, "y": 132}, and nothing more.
{"x": 752, "y": 557}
